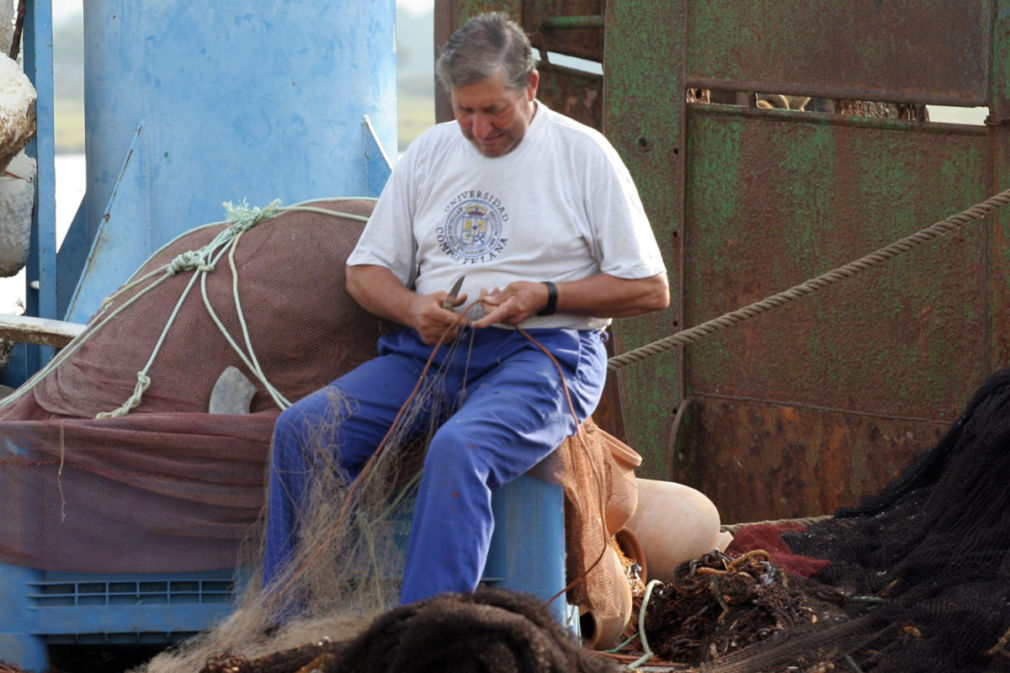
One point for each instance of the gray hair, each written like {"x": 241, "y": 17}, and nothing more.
{"x": 486, "y": 45}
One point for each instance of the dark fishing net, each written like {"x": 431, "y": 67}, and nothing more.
{"x": 492, "y": 630}
{"x": 914, "y": 579}
{"x": 934, "y": 547}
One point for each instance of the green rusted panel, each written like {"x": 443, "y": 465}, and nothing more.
{"x": 774, "y": 202}
{"x": 929, "y": 50}
{"x": 643, "y": 117}
{"x": 788, "y": 406}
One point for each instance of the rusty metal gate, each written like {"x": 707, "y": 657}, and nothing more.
{"x": 809, "y": 407}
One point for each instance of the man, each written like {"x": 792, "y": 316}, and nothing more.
{"x": 538, "y": 214}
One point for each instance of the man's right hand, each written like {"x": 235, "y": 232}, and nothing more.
{"x": 432, "y": 321}
{"x": 379, "y": 291}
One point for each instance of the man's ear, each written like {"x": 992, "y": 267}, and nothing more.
{"x": 532, "y": 82}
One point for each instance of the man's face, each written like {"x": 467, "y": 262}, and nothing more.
{"x": 492, "y": 116}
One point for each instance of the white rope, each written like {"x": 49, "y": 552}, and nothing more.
{"x": 649, "y": 654}
{"x": 240, "y": 218}
{"x": 249, "y": 360}
{"x": 143, "y": 379}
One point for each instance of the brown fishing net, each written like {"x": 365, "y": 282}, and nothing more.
{"x": 490, "y": 630}
{"x": 170, "y": 487}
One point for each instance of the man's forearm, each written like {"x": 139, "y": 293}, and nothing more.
{"x": 380, "y": 292}
{"x": 606, "y": 296}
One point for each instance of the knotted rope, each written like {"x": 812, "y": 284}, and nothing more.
{"x": 240, "y": 218}
{"x": 816, "y": 284}
{"x": 202, "y": 261}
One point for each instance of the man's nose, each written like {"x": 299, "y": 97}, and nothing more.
{"x": 482, "y": 126}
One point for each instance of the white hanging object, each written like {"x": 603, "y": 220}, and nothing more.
{"x": 17, "y": 110}
{"x": 17, "y": 196}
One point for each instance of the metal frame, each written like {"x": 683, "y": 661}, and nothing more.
{"x": 812, "y": 407}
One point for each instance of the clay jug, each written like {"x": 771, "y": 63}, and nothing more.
{"x": 674, "y": 523}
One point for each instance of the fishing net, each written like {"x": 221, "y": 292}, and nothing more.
{"x": 115, "y": 462}
{"x": 345, "y": 573}
{"x": 914, "y": 579}
{"x": 170, "y": 487}
{"x": 489, "y": 630}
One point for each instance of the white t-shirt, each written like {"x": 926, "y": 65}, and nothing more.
{"x": 561, "y": 206}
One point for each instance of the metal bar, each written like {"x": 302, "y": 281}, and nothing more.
{"x": 19, "y": 25}
{"x": 860, "y": 93}
{"x": 940, "y": 128}
{"x": 41, "y": 267}
{"x": 44, "y": 331}
{"x": 997, "y": 255}
{"x": 652, "y": 144}
{"x": 568, "y": 22}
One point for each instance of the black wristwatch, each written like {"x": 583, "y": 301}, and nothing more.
{"x": 552, "y": 299}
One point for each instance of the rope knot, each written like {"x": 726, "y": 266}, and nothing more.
{"x": 244, "y": 217}
{"x": 143, "y": 383}
{"x": 186, "y": 261}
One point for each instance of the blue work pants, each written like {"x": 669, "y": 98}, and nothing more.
{"x": 511, "y": 413}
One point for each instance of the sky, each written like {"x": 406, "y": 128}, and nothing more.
{"x": 65, "y": 8}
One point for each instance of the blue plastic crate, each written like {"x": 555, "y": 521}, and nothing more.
{"x": 39, "y": 608}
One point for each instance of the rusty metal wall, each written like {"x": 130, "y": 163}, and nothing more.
{"x": 817, "y": 404}
{"x": 569, "y": 27}
{"x": 895, "y": 50}
{"x": 805, "y": 408}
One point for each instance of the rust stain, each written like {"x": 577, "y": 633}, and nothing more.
{"x": 759, "y": 461}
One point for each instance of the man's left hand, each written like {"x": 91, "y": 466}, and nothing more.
{"x": 517, "y": 302}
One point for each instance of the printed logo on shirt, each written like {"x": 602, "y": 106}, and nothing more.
{"x": 473, "y": 229}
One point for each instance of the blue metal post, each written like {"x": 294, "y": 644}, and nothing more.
{"x": 190, "y": 104}
{"x": 527, "y": 551}
{"x": 40, "y": 272}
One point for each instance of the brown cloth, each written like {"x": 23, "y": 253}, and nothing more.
{"x": 591, "y": 480}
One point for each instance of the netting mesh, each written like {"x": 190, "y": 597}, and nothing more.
{"x": 915, "y": 579}
{"x": 171, "y": 487}
{"x": 112, "y": 462}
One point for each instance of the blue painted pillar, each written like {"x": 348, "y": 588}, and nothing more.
{"x": 40, "y": 270}
{"x": 191, "y": 104}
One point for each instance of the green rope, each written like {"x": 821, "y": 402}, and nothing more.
{"x": 203, "y": 261}
{"x": 324, "y": 211}
{"x": 249, "y": 360}
{"x": 203, "y": 267}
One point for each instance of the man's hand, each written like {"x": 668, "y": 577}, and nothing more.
{"x": 601, "y": 295}
{"x": 378, "y": 291}
{"x": 431, "y": 320}
{"x": 517, "y": 302}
